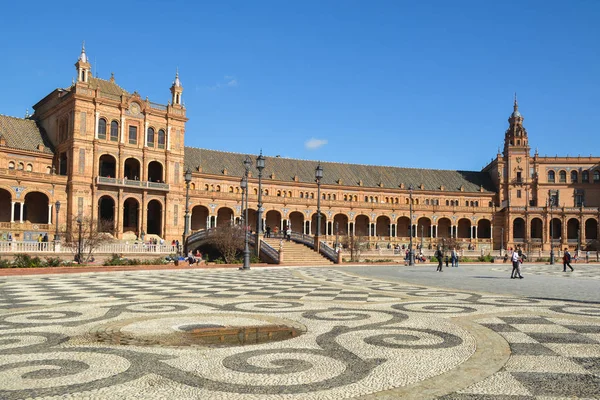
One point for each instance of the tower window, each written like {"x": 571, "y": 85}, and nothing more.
{"x": 585, "y": 176}
{"x": 551, "y": 177}
{"x": 596, "y": 176}
{"x": 518, "y": 194}
{"x": 150, "y": 137}
{"x": 562, "y": 176}
{"x": 579, "y": 198}
{"x": 519, "y": 178}
{"x": 101, "y": 128}
{"x": 132, "y": 134}
{"x": 114, "y": 131}
{"x": 574, "y": 176}
{"x": 11, "y": 165}
{"x": 161, "y": 139}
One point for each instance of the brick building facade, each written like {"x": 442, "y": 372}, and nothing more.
{"x": 102, "y": 151}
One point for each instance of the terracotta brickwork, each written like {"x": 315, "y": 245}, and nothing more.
{"x": 100, "y": 150}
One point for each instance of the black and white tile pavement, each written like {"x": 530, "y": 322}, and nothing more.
{"x": 363, "y": 337}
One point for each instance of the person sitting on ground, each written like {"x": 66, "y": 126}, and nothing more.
{"x": 198, "y": 257}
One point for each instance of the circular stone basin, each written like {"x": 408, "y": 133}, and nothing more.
{"x": 186, "y": 332}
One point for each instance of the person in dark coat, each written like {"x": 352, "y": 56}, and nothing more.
{"x": 440, "y": 256}
{"x": 567, "y": 261}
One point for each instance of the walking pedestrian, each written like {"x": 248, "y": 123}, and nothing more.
{"x": 439, "y": 255}
{"x": 288, "y": 233}
{"x": 268, "y": 231}
{"x": 567, "y": 260}
{"x": 516, "y": 261}
{"x": 454, "y": 258}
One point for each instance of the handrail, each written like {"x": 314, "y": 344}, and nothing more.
{"x": 328, "y": 252}
{"x": 307, "y": 240}
{"x": 269, "y": 251}
{"x": 104, "y": 180}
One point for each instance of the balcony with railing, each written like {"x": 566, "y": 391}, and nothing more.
{"x": 103, "y": 180}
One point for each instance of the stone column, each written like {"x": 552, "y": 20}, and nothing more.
{"x": 348, "y": 228}
{"x": 216, "y": 216}
{"x": 50, "y": 214}
{"x": 12, "y": 211}
{"x": 309, "y": 227}
{"x": 145, "y": 133}
{"x": 123, "y": 130}
{"x": 96, "y": 125}
{"x": 21, "y": 214}
{"x": 475, "y": 228}
{"x": 169, "y": 138}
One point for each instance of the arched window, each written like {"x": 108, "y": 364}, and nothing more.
{"x": 206, "y": 187}
{"x": 324, "y": 196}
{"x": 29, "y": 168}
{"x": 355, "y": 197}
{"x": 279, "y": 193}
{"x": 476, "y": 204}
{"x": 427, "y": 202}
{"x": 345, "y": 197}
{"x": 192, "y": 186}
{"x": 466, "y": 204}
{"x": 447, "y": 202}
{"x": 218, "y": 188}
{"x": 585, "y": 177}
{"x": 21, "y": 166}
{"x": 366, "y": 199}
{"x": 11, "y": 165}
{"x": 301, "y": 195}
{"x": 290, "y": 193}
{"x": 551, "y": 177}
{"x": 48, "y": 170}
{"x": 114, "y": 131}
{"x": 150, "y": 137}
{"x": 574, "y": 176}
{"x": 562, "y": 176}
{"x": 334, "y": 197}
{"x": 101, "y": 128}
{"x": 266, "y": 192}
{"x": 596, "y": 176}
{"x": 231, "y": 189}
{"x": 161, "y": 139}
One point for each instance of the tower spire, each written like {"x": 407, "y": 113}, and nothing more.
{"x": 516, "y": 104}
{"x": 176, "y": 90}
{"x": 84, "y": 69}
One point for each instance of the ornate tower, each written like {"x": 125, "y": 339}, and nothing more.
{"x": 84, "y": 69}
{"x": 176, "y": 90}
{"x": 516, "y": 175}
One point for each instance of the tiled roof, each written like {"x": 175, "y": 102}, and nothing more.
{"x": 23, "y": 134}
{"x": 284, "y": 169}
{"x": 109, "y": 87}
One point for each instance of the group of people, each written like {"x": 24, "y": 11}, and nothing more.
{"x": 441, "y": 257}
{"x": 194, "y": 258}
{"x": 288, "y": 232}
{"x": 518, "y": 257}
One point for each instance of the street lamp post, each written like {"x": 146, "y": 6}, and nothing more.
{"x": 318, "y": 177}
{"x": 411, "y": 256}
{"x": 337, "y": 236}
{"x": 260, "y": 165}
{"x": 551, "y": 203}
{"x": 56, "y": 237}
{"x": 244, "y": 185}
{"x": 79, "y": 223}
{"x": 501, "y": 241}
{"x": 186, "y": 222}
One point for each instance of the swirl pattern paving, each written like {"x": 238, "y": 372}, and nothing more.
{"x": 362, "y": 337}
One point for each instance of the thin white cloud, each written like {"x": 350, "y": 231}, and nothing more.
{"x": 314, "y": 144}
{"x": 228, "y": 81}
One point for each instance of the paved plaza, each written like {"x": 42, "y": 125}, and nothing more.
{"x": 372, "y": 332}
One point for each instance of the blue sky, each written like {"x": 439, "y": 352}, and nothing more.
{"x": 416, "y": 84}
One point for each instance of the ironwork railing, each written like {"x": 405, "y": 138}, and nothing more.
{"x": 328, "y": 252}
{"x": 307, "y": 240}
{"x": 269, "y": 251}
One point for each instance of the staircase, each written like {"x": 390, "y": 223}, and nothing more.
{"x": 297, "y": 254}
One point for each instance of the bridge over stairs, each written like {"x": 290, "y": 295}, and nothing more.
{"x": 277, "y": 250}
{"x": 292, "y": 253}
